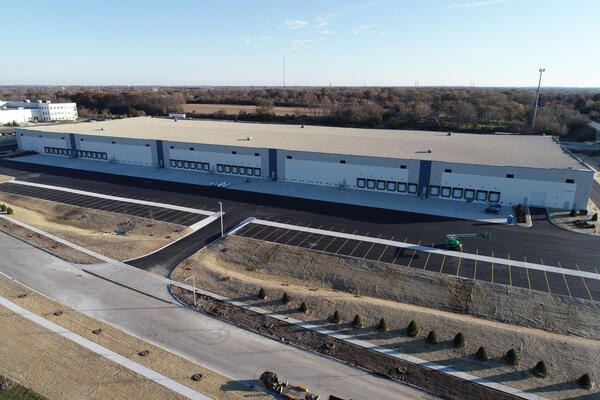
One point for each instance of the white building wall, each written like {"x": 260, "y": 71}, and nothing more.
{"x": 37, "y": 144}
{"x": 137, "y": 154}
{"x": 213, "y": 158}
{"x": 19, "y": 116}
{"x": 516, "y": 191}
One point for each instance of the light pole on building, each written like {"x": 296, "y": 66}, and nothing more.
{"x": 537, "y": 96}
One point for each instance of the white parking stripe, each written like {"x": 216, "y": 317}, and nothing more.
{"x": 116, "y": 198}
{"x": 450, "y": 253}
{"x": 105, "y": 352}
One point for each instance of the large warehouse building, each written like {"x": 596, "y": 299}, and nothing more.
{"x": 505, "y": 169}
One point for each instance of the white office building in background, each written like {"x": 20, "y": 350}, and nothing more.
{"x": 40, "y": 111}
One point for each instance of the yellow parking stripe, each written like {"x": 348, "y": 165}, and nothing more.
{"x": 280, "y": 236}
{"x": 565, "y": 279}
{"x": 546, "y": 275}
{"x": 266, "y": 226}
{"x": 253, "y": 227}
{"x": 371, "y": 248}
{"x": 297, "y": 233}
{"x": 527, "y": 272}
{"x": 343, "y": 244}
{"x": 399, "y": 251}
{"x": 428, "y": 255}
{"x": 385, "y": 249}
{"x": 459, "y": 260}
{"x": 300, "y": 244}
{"x": 413, "y": 255}
{"x": 321, "y": 237}
{"x": 335, "y": 237}
{"x": 585, "y": 284}
{"x": 476, "y": 258}
{"x": 443, "y": 261}
{"x": 358, "y": 244}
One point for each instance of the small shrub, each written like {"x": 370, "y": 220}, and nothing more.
{"x": 482, "y": 354}
{"x": 541, "y": 369}
{"x": 585, "y": 381}
{"x": 285, "y": 298}
{"x": 511, "y": 357}
{"x": 9, "y": 210}
{"x": 337, "y": 318}
{"x": 382, "y": 325}
{"x": 357, "y": 322}
{"x": 595, "y": 217}
{"x": 2, "y": 207}
{"x": 413, "y": 329}
{"x": 303, "y": 307}
{"x": 573, "y": 213}
{"x": 459, "y": 340}
{"x": 262, "y": 293}
{"x": 432, "y": 338}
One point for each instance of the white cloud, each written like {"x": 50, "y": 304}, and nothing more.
{"x": 323, "y": 20}
{"x": 247, "y": 40}
{"x": 478, "y": 3}
{"x": 364, "y": 28}
{"x": 295, "y": 23}
{"x": 302, "y": 42}
{"x": 325, "y": 32}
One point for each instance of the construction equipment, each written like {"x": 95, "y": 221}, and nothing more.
{"x": 270, "y": 381}
{"x": 453, "y": 242}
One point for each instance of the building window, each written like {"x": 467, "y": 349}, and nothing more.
{"x": 234, "y": 152}
{"x": 342, "y": 161}
{"x": 370, "y": 183}
{"x": 113, "y": 142}
{"x": 219, "y": 167}
{"x": 412, "y": 188}
{"x": 434, "y": 190}
{"x": 234, "y": 169}
{"x": 446, "y": 191}
{"x": 147, "y": 145}
{"x": 171, "y": 147}
{"x": 79, "y": 139}
{"x": 205, "y": 166}
{"x": 179, "y": 164}
{"x": 570, "y": 180}
{"x": 403, "y": 167}
{"x": 494, "y": 197}
{"x": 186, "y": 165}
{"x": 256, "y": 171}
{"x": 289, "y": 157}
{"x": 401, "y": 187}
{"x": 510, "y": 176}
{"x": 457, "y": 193}
{"x": 191, "y": 149}
{"x": 361, "y": 182}
{"x": 227, "y": 169}
{"x": 256, "y": 154}
{"x": 482, "y": 195}
{"x": 242, "y": 170}
{"x": 448, "y": 170}
{"x": 380, "y": 185}
{"x": 173, "y": 163}
{"x": 391, "y": 186}
{"x": 469, "y": 194}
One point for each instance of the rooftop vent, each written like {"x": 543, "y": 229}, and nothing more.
{"x": 449, "y": 133}
{"x": 429, "y": 150}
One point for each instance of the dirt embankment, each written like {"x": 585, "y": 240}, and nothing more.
{"x": 114, "y": 235}
{"x": 328, "y": 283}
{"x": 60, "y": 369}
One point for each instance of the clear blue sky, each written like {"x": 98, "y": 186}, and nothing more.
{"x": 387, "y": 42}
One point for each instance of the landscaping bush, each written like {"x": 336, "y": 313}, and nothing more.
{"x": 262, "y": 293}
{"x": 285, "y": 298}
{"x": 595, "y": 217}
{"x": 585, "y": 381}
{"x": 303, "y": 307}
{"x": 511, "y": 357}
{"x": 541, "y": 369}
{"x": 357, "y": 322}
{"x": 2, "y": 207}
{"x": 459, "y": 340}
{"x": 9, "y": 210}
{"x": 573, "y": 213}
{"x": 337, "y": 318}
{"x": 413, "y": 329}
{"x": 382, "y": 325}
{"x": 482, "y": 354}
{"x": 432, "y": 338}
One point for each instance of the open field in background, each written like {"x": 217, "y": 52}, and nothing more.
{"x": 60, "y": 369}
{"x": 238, "y": 268}
{"x": 232, "y": 109}
{"x": 115, "y": 235}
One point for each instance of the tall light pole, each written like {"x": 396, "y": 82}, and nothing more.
{"x": 193, "y": 285}
{"x": 221, "y": 212}
{"x": 537, "y": 96}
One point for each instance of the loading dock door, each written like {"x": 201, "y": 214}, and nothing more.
{"x": 538, "y": 198}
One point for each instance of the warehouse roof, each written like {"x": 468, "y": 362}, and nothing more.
{"x": 497, "y": 150}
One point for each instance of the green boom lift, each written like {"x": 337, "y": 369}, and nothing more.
{"x": 453, "y": 242}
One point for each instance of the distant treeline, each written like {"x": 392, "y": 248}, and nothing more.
{"x": 561, "y": 111}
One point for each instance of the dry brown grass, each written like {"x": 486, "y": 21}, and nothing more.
{"x": 5, "y": 178}
{"x": 563, "y": 218}
{"x": 232, "y": 109}
{"x": 56, "y": 368}
{"x": 567, "y": 356}
{"x": 95, "y": 229}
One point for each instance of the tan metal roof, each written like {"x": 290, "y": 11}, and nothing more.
{"x": 497, "y": 150}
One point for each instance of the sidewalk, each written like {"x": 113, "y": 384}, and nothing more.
{"x": 409, "y": 203}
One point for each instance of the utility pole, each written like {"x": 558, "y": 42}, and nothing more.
{"x": 537, "y": 96}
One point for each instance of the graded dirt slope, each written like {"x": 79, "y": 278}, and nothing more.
{"x": 95, "y": 229}
{"x": 239, "y": 267}
{"x": 59, "y": 369}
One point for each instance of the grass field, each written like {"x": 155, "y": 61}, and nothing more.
{"x": 18, "y": 392}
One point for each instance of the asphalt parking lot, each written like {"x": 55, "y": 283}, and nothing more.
{"x": 550, "y": 282}
{"x": 121, "y": 207}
